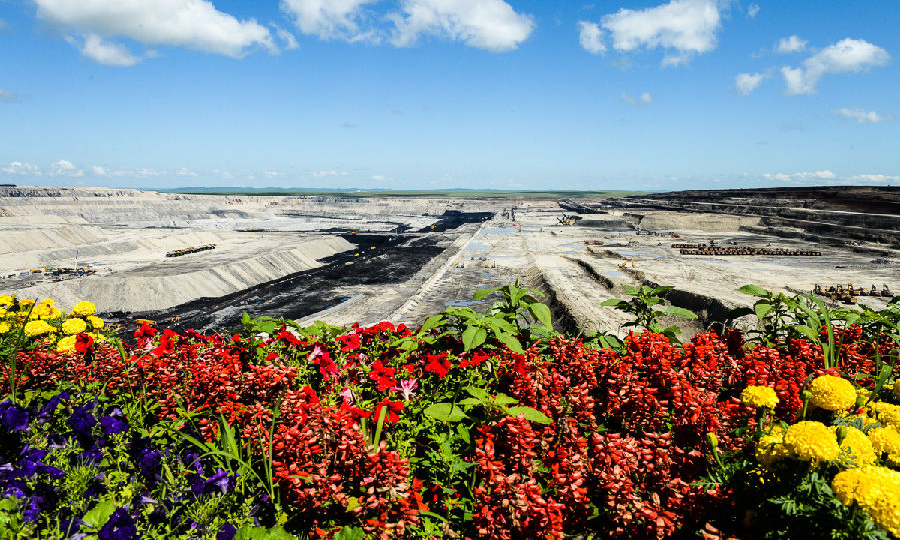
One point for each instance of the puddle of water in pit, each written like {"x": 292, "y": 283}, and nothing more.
{"x": 462, "y": 303}
{"x": 614, "y": 274}
{"x": 478, "y": 247}
{"x": 499, "y": 231}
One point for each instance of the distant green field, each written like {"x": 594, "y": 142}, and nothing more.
{"x": 449, "y": 193}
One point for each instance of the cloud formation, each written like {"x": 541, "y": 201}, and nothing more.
{"x": 643, "y": 99}
{"x": 682, "y": 28}
{"x": 106, "y": 52}
{"x": 195, "y": 24}
{"x": 329, "y": 19}
{"x": 590, "y": 36}
{"x": 8, "y": 96}
{"x": 64, "y": 168}
{"x": 752, "y": 10}
{"x": 861, "y": 116}
{"x": 485, "y": 24}
{"x": 814, "y": 175}
{"x": 790, "y": 45}
{"x": 17, "y": 167}
{"x": 846, "y": 56}
{"x": 745, "y": 83}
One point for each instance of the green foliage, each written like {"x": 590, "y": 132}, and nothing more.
{"x": 515, "y": 316}
{"x": 646, "y": 308}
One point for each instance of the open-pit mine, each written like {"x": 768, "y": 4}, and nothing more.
{"x": 201, "y": 261}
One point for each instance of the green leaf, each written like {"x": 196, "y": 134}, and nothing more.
{"x": 99, "y": 515}
{"x": 350, "y": 533}
{"x": 510, "y": 341}
{"x": 531, "y": 415}
{"x": 806, "y": 331}
{"x": 469, "y": 401}
{"x": 661, "y": 289}
{"x": 541, "y": 312}
{"x": 632, "y": 291}
{"x": 473, "y": 336}
{"x": 482, "y": 293}
{"x": 250, "y": 532}
{"x": 681, "y": 312}
{"x": 503, "y": 399}
{"x": 478, "y": 393}
{"x": 755, "y": 290}
{"x": 762, "y": 309}
{"x": 432, "y": 322}
{"x": 613, "y": 302}
{"x": 445, "y": 412}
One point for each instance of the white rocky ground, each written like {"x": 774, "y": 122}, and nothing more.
{"x": 120, "y": 234}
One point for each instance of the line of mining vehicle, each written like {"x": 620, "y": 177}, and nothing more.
{"x": 189, "y": 250}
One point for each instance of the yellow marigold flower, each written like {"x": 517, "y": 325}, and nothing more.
{"x": 66, "y": 344}
{"x": 26, "y": 303}
{"x": 40, "y": 311}
{"x": 886, "y": 440}
{"x": 2, "y": 312}
{"x": 84, "y": 308}
{"x": 876, "y": 490}
{"x": 96, "y": 322}
{"x": 832, "y": 393}
{"x": 856, "y": 446}
{"x": 886, "y": 413}
{"x": 6, "y": 300}
{"x": 48, "y": 301}
{"x": 74, "y": 326}
{"x": 759, "y": 397}
{"x": 37, "y": 328}
{"x": 771, "y": 448}
{"x": 4, "y": 327}
{"x": 811, "y": 441}
{"x": 100, "y": 338}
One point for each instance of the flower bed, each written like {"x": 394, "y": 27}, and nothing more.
{"x": 390, "y": 432}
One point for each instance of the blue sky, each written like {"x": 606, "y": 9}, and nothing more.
{"x": 433, "y": 94}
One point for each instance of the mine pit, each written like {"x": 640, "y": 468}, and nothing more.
{"x": 346, "y": 259}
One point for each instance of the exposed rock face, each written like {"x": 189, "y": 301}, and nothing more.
{"x": 830, "y": 214}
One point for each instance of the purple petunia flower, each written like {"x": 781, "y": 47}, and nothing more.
{"x": 227, "y": 533}
{"x": 49, "y": 408}
{"x": 12, "y": 417}
{"x": 120, "y": 526}
{"x": 147, "y": 458}
{"x": 82, "y": 421}
{"x": 114, "y": 422}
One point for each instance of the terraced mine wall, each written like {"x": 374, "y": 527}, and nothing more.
{"x": 834, "y": 214}
{"x": 152, "y": 291}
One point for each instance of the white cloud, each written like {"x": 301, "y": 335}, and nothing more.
{"x": 485, "y": 24}
{"x": 644, "y": 99}
{"x": 329, "y": 19}
{"x": 745, "y": 83}
{"x": 272, "y": 174}
{"x": 17, "y": 167}
{"x": 64, "y": 168}
{"x": 107, "y": 53}
{"x": 790, "y": 45}
{"x": 184, "y": 171}
{"x": 861, "y": 116}
{"x": 752, "y": 10}
{"x": 589, "y": 34}
{"x": 99, "y": 171}
{"x": 195, "y": 24}
{"x": 815, "y": 175}
{"x": 8, "y": 96}
{"x": 378, "y": 177}
{"x": 320, "y": 174}
{"x": 682, "y": 27}
{"x": 290, "y": 42}
{"x": 847, "y": 55}
{"x": 874, "y": 178}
